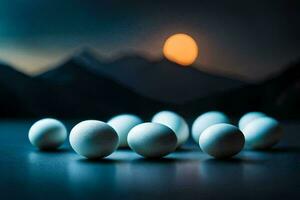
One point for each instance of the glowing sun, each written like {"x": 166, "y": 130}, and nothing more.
{"x": 181, "y": 49}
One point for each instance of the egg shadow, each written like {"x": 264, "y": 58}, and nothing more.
{"x": 155, "y": 160}
{"x": 224, "y": 160}
{"x": 54, "y": 151}
{"x": 235, "y": 160}
{"x": 188, "y": 149}
{"x": 165, "y": 160}
{"x": 100, "y": 161}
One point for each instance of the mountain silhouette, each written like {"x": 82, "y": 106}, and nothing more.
{"x": 277, "y": 96}
{"x": 282, "y": 92}
{"x": 82, "y": 87}
{"x": 80, "y": 93}
{"x": 18, "y": 91}
{"x": 161, "y": 80}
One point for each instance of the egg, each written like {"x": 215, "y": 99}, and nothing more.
{"x": 248, "y": 117}
{"x": 47, "y": 134}
{"x": 122, "y": 125}
{"x": 262, "y": 133}
{"x": 205, "y": 120}
{"x": 152, "y": 140}
{"x": 174, "y": 122}
{"x": 222, "y": 140}
{"x": 93, "y": 139}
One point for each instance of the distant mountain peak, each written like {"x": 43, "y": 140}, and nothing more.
{"x": 162, "y": 80}
{"x": 131, "y": 57}
{"x": 85, "y": 51}
{"x": 88, "y": 53}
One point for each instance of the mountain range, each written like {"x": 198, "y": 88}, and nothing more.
{"x": 161, "y": 80}
{"x": 86, "y": 86}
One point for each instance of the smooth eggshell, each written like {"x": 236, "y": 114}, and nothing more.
{"x": 248, "y": 117}
{"x": 152, "y": 140}
{"x": 93, "y": 139}
{"x": 221, "y": 140}
{"x": 122, "y": 125}
{"x": 47, "y": 134}
{"x": 262, "y": 133}
{"x": 174, "y": 122}
{"x": 206, "y": 120}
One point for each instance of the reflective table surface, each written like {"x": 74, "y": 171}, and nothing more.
{"x": 26, "y": 173}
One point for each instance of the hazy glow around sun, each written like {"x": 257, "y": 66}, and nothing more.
{"x": 181, "y": 49}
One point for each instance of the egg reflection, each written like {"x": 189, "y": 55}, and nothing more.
{"x": 217, "y": 172}
{"x": 146, "y": 175}
{"x": 91, "y": 177}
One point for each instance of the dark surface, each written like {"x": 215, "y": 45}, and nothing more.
{"x": 26, "y": 173}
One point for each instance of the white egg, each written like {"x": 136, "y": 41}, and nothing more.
{"x": 47, "y": 134}
{"x": 174, "y": 122}
{"x": 93, "y": 139}
{"x": 152, "y": 140}
{"x": 122, "y": 125}
{"x": 262, "y": 133}
{"x": 221, "y": 140}
{"x": 206, "y": 120}
{"x": 248, "y": 117}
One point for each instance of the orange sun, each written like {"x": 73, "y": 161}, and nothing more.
{"x": 181, "y": 49}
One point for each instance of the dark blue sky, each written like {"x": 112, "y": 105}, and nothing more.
{"x": 249, "y": 38}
